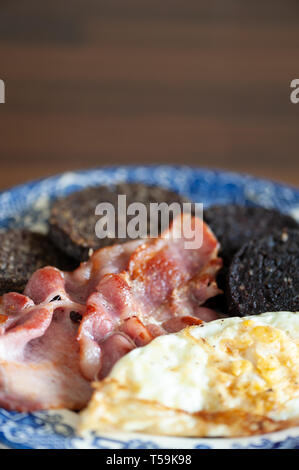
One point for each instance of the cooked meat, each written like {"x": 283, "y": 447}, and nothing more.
{"x": 39, "y": 356}
{"x": 235, "y": 225}
{"x": 23, "y": 252}
{"x": 73, "y": 219}
{"x": 164, "y": 280}
{"x": 264, "y": 275}
{"x": 70, "y": 326}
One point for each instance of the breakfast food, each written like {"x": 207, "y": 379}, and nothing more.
{"x": 235, "y": 225}
{"x": 39, "y": 355}
{"x": 23, "y": 252}
{"x": 264, "y": 275}
{"x": 162, "y": 289}
{"x": 231, "y": 377}
{"x": 71, "y": 327}
{"x": 132, "y": 321}
{"x": 73, "y": 219}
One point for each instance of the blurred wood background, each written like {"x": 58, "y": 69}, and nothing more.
{"x": 92, "y": 83}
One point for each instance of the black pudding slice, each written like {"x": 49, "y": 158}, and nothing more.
{"x": 73, "y": 219}
{"x": 264, "y": 275}
{"x": 235, "y": 225}
{"x": 21, "y": 253}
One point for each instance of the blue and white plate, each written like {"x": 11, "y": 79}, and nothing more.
{"x": 28, "y": 205}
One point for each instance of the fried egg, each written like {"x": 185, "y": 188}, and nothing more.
{"x": 230, "y": 377}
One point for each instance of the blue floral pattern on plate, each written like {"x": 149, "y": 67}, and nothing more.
{"x": 28, "y": 204}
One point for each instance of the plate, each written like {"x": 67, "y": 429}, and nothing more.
{"x": 28, "y": 206}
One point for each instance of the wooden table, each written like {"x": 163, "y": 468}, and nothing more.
{"x": 93, "y": 83}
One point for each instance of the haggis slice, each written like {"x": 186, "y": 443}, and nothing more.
{"x": 22, "y": 252}
{"x": 73, "y": 219}
{"x": 264, "y": 275}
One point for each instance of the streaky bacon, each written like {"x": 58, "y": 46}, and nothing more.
{"x": 164, "y": 280}
{"x": 80, "y": 283}
{"x": 127, "y": 294}
{"x": 113, "y": 348}
{"x": 49, "y": 282}
{"x": 39, "y": 357}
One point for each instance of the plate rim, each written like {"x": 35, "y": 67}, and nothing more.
{"x": 215, "y": 169}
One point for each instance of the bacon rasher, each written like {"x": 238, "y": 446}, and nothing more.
{"x": 162, "y": 290}
{"x": 71, "y": 327}
{"x": 39, "y": 354}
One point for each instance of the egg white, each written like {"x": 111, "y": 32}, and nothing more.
{"x": 182, "y": 383}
